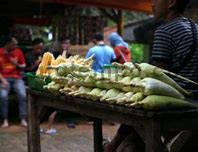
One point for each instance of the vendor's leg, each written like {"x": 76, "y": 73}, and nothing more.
{"x": 122, "y": 133}
{"x": 19, "y": 88}
{"x": 132, "y": 143}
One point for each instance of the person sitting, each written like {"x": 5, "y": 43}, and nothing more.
{"x": 33, "y": 58}
{"x": 12, "y": 63}
{"x": 65, "y": 48}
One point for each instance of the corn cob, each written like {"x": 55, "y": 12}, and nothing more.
{"x": 156, "y": 102}
{"x": 135, "y": 98}
{"x": 151, "y": 86}
{"x": 110, "y": 94}
{"x": 46, "y": 61}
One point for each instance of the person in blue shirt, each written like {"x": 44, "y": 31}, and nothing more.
{"x": 103, "y": 54}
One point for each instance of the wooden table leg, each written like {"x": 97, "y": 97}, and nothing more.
{"x": 153, "y": 137}
{"x": 33, "y": 125}
{"x": 97, "y": 131}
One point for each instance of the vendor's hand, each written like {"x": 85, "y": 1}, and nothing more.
{"x": 4, "y": 83}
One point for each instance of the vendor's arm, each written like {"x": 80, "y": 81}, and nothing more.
{"x": 162, "y": 49}
{"x": 161, "y": 64}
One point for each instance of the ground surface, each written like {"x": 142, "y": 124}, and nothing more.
{"x": 80, "y": 139}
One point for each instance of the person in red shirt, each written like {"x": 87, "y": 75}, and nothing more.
{"x": 121, "y": 49}
{"x": 12, "y": 63}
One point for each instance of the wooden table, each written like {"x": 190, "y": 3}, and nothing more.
{"x": 149, "y": 124}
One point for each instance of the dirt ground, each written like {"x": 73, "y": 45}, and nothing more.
{"x": 79, "y": 139}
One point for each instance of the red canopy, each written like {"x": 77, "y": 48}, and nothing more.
{"x": 135, "y": 5}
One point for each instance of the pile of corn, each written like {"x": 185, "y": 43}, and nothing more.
{"x": 135, "y": 85}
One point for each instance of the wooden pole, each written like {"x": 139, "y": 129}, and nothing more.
{"x": 120, "y": 23}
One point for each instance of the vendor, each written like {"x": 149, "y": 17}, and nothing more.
{"x": 175, "y": 48}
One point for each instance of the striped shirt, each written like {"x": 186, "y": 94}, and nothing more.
{"x": 172, "y": 43}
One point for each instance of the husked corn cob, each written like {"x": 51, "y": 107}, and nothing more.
{"x": 46, "y": 61}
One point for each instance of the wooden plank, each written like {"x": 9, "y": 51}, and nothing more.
{"x": 182, "y": 123}
{"x": 33, "y": 132}
{"x": 176, "y": 144}
{"x": 120, "y": 24}
{"x": 93, "y": 110}
{"x": 97, "y": 131}
{"x": 153, "y": 137}
{"x": 137, "y": 112}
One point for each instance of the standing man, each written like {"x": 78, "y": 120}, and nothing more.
{"x": 12, "y": 63}
{"x": 103, "y": 54}
{"x": 176, "y": 49}
{"x": 176, "y": 42}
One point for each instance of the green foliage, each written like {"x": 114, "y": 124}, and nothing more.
{"x": 137, "y": 51}
{"x": 130, "y": 16}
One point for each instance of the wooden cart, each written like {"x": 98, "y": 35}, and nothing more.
{"x": 149, "y": 124}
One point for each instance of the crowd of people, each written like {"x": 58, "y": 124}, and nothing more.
{"x": 14, "y": 63}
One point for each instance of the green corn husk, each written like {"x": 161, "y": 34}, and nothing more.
{"x": 148, "y": 70}
{"x": 135, "y": 80}
{"x": 116, "y": 98}
{"x": 60, "y": 79}
{"x": 53, "y": 88}
{"x": 66, "y": 90}
{"x": 156, "y": 102}
{"x": 67, "y": 68}
{"x": 151, "y": 86}
{"x": 83, "y": 75}
{"x": 136, "y": 97}
{"x": 104, "y": 84}
{"x": 81, "y": 91}
{"x": 96, "y": 94}
{"x": 93, "y": 95}
{"x": 122, "y": 100}
{"x": 110, "y": 94}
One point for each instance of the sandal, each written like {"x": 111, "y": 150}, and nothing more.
{"x": 105, "y": 140}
